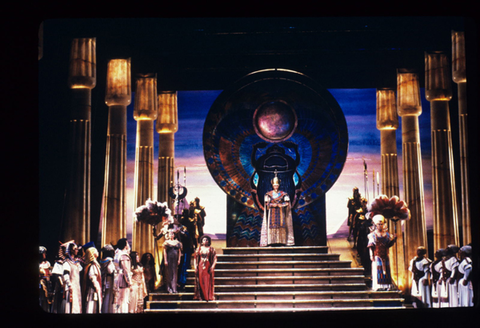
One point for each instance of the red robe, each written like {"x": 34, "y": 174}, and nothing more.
{"x": 204, "y": 279}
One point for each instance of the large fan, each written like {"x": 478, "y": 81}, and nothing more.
{"x": 152, "y": 212}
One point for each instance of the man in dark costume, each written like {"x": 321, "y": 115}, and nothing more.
{"x": 357, "y": 208}
{"x": 196, "y": 216}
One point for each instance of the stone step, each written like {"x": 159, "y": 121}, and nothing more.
{"x": 276, "y": 303}
{"x": 275, "y": 250}
{"x": 278, "y": 257}
{"x": 339, "y": 286}
{"x": 283, "y": 264}
{"x": 283, "y": 272}
{"x": 278, "y": 295}
{"x": 275, "y": 310}
{"x": 280, "y": 280}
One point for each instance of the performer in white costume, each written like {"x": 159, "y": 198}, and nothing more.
{"x": 92, "y": 281}
{"x": 71, "y": 277}
{"x": 450, "y": 265}
{"x": 124, "y": 278}
{"x": 436, "y": 271}
{"x": 465, "y": 286}
{"x": 420, "y": 269}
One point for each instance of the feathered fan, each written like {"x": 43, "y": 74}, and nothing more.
{"x": 391, "y": 208}
{"x": 152, "y": 212}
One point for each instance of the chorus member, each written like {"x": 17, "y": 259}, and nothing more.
{"x": 57, "y": 281}
{"x": 138, "y": 290}
{"x": 92, "y": 282}
{"x": 205, "y": 260}
{"x": 148, "y": 264}
{"x": 436, "y": 270}
{"x": 449, "y": 298}
{"x": 420, "y": 269}
{"x": 124, "y": 279}
{"x": 107, "y": 268}
{"x": 465, "y": 286}
{"x": 45, "y": 286}
{"x": 172, "y": 254}
{"x": 71, "y": 277}
{"x": 379, "y": 241}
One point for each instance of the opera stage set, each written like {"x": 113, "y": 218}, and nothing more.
{"x": 272, "y": 111}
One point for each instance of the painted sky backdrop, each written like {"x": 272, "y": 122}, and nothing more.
{"x": 359, "y": 108}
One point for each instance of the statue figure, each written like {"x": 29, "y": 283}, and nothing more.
{"x": 357, "y": 208}
{"x": 379, "y": 241}
{"x": 277, "y": 227}
{"x": 196, "y": 215}
{"x": 420, "y": 269}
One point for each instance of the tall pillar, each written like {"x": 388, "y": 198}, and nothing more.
{"x": 387, "y": 123}
{"x": 82, "y": 79}
{"x": 438, "y": 92}
{"x": 167, "y": 125}
{"x": 459, "y": 76}
{"x": 409, "y": 107}
{"x": 144, "y": 112}
{"x": 117, "y": 97}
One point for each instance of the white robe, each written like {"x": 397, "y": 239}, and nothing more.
{"x": 436, "y": 286}
{"x": 465, "y": 293}
{"x": 93, "y": 301}
{"x": 421, "y": 290}
{"x": 451, "y": 265}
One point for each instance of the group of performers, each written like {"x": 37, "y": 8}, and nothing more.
{"x": 444, "y": 282}
{"x": 79, "y": 282}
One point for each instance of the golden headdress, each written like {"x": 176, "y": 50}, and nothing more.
{"x": 276, "y": 180}
{"x": 91, "y": 255}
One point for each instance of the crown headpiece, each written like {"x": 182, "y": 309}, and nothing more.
{"x": 275, "y": 180}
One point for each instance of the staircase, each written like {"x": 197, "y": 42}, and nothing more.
{"x": 280, "y": 279}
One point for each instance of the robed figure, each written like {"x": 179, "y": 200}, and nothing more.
{"x": 205, "y": 260}
{"x": 277, "y": 227}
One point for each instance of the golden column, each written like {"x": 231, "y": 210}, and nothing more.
{"x": 117, "y": 97}
{"x": 144, "y": 112}
{"x": 438, "y": 92}
{"x": 387, "y": 123}
{"x": 82, "y": 79}
{"x": 459, "y": 76}
{"x": 409, "y": 107}
{"x": 167, "y": 125}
